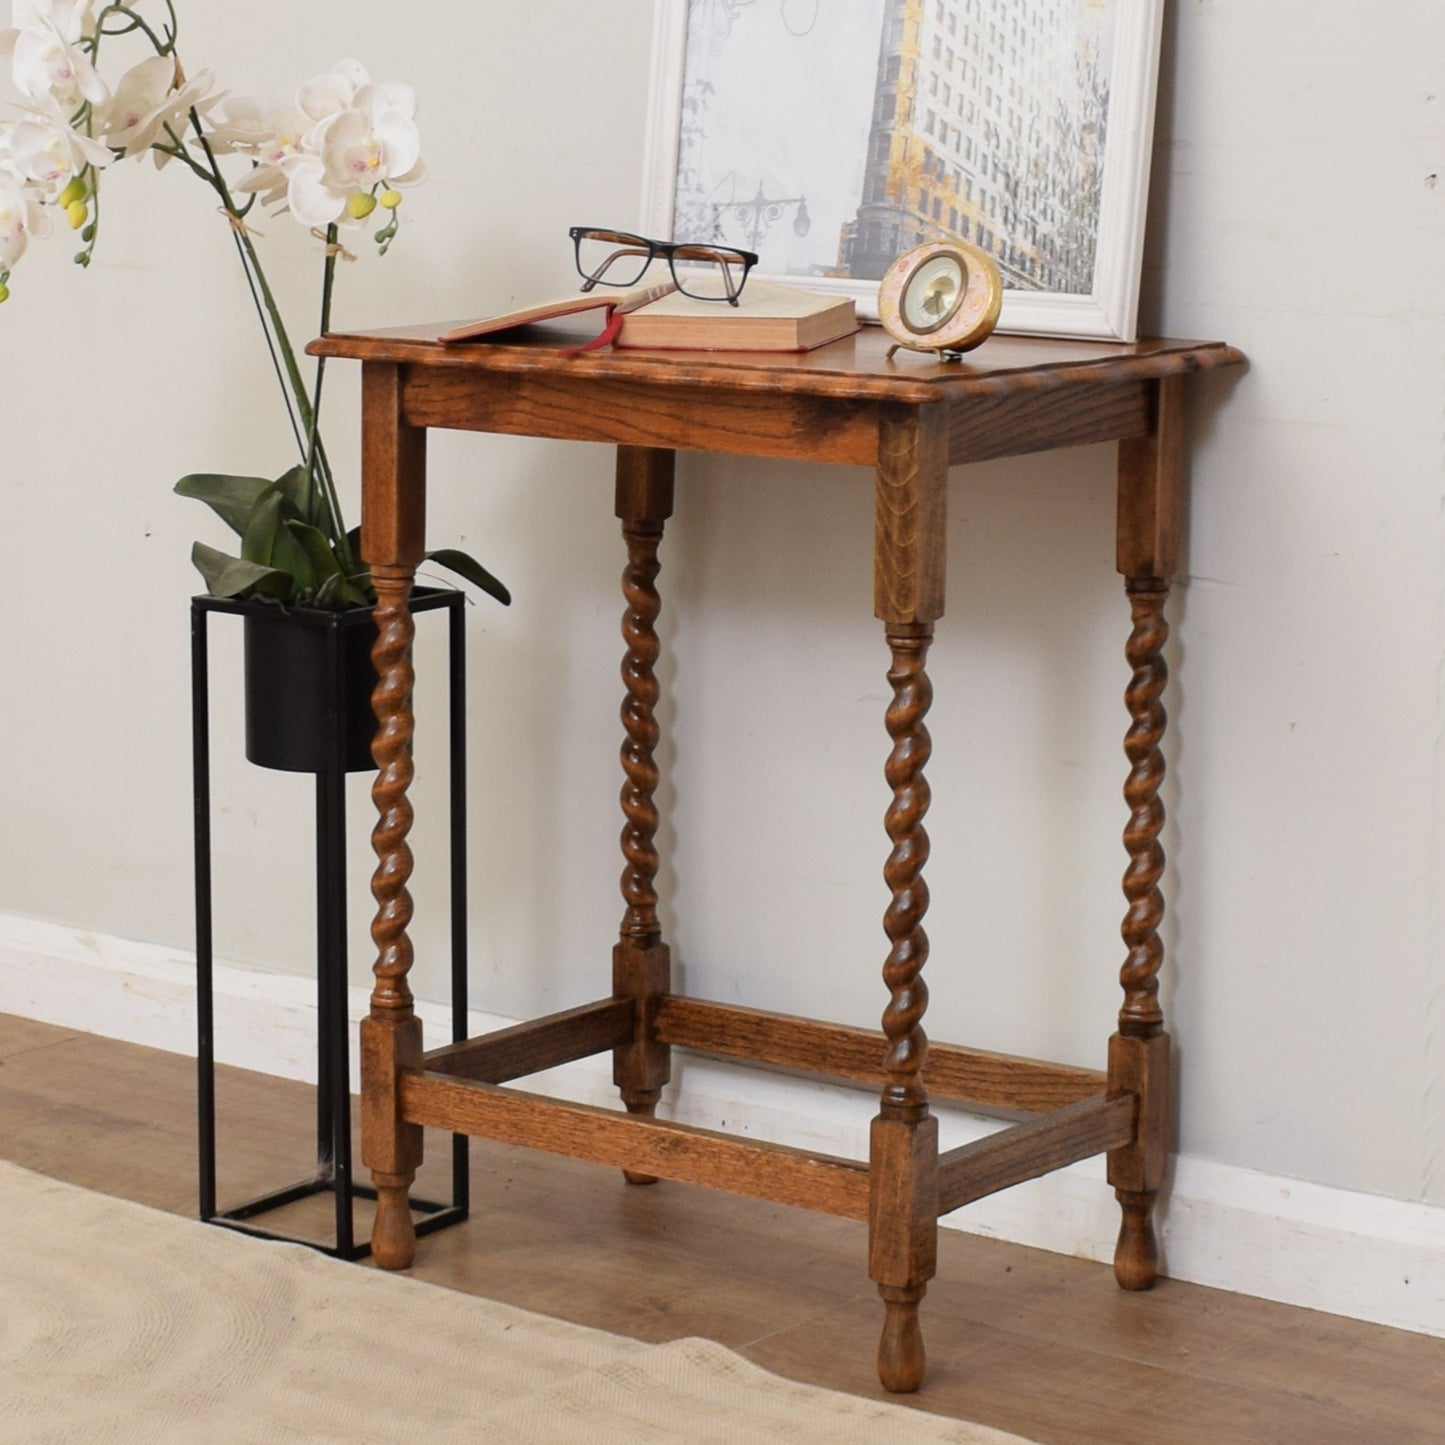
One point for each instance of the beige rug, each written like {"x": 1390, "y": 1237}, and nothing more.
{"x": 120, "y": 1323}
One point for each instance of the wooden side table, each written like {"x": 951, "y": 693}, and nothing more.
{"x": 910, "y": 419}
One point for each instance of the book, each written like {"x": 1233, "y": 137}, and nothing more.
{"x": 768, "y": 317}
{"x": 612, "y": 304}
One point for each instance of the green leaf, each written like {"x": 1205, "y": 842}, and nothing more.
{"x": 232, "y": 499}
{"x": 319, "y": 552}
{"x": 353, "y": 558}
{"x": 235, "y": 577}
{"x": 329, "y": 591}
{"x": 467, "y": 567}
{"x": 268, "y": 538}
{"x": 303, "y": 494}
{"x": 263, "y": 526}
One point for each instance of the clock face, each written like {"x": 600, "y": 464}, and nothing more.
{"x": 932, "y": 293}
{"x": 944, "y": 296}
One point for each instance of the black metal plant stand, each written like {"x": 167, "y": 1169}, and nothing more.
{"x": 333, "y": 1099}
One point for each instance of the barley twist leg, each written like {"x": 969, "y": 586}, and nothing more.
{"x": 641, "y": 968}
{"x": 1141, "y": 1015}
{"x": 1139, "y": 1054}
{"x": 903, "y": 1092}
{"x": 639, "y": 721}
{"x": 904, "y": 1143}
{"x": 391, "y": 1036}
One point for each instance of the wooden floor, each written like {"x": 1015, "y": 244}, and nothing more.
{"x": 1019, "y": 1339}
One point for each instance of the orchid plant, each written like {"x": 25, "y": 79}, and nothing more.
{"x": 336, "y": 159}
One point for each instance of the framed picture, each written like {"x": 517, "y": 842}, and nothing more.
{"x": 831, "y": 137}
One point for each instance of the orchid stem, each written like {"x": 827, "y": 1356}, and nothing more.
{"x": 303, "y": 411}
{"x": 323, "y": 475}
{"x": 302, "y": 420}
{"x": 136, "y": 23}
{"x": 270, "y": 346}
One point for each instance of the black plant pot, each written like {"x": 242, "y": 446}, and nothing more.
{"x": 309, "y": 681}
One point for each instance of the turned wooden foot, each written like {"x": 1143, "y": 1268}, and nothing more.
{"x": 644, "y": 1108}
{"x": 1136, "y": 1256}
{"x": 901, "y": 1360}
{"x": 393, "y": 1235}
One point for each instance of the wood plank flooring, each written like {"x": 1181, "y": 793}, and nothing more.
{"x": 1023, "y": 1340}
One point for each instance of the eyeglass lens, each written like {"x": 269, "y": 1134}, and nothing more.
{"x": 708, "y": 273}
{"x": 617, "y": 258}
{"x": 612, "y": 258}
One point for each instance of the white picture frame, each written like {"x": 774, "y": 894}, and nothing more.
{"x": 1104, "y": 306}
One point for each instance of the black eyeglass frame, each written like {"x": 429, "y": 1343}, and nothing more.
{"x": 664, "y": 250}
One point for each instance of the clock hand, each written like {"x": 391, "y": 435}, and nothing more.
{"x": 937, "y": 297}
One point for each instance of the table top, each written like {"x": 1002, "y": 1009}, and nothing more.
{"x": 838, "y": 403}
{"x": 855, "y": 368}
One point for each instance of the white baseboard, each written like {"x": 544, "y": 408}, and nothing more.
{"x": 1303, "y": 1244}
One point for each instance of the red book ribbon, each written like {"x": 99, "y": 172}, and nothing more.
{"x": 605, "y": 337}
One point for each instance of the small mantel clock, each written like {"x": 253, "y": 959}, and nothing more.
{"x": 942, "y": 297}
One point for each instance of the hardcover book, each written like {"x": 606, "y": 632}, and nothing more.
{"x": 768, "y": 318}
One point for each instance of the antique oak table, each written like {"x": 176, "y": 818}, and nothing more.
{"x": 911, "y": 419}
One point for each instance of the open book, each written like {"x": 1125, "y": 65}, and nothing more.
{"x": 767, "y": 318}
{"x": 610, "y": 306}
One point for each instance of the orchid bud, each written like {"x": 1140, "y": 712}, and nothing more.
{"x": 76, "y": 213}
{"x": 391, "y": 199}
{"x": 75, "y": 191}
{"x": 361, "y": 205}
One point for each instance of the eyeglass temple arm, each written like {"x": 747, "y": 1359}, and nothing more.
{"x": 733, "y": 291}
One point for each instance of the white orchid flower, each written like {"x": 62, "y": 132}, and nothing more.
{"x": 45, "y": 62}
{"x": 268, "y": 181}
{"x": 388, "y": 96}
{"x": 308, "y": 197}
{"x": 269, "y": 133}
{"x": 258, "y": 127}
{"x": 147, "y": 102}
{"x": 45, "y": 148}
{"x": 360, "y": 149}
{"x": 21, "y": 215}
{"x": 392, "y": 108}
{"x": 326, "y": 95}
{"x": 361, "y": 135}
{"x": 73, "y": 18}
{"x": 355, "y": 151}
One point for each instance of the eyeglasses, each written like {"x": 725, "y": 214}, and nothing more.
{"x": 618, "y": 258}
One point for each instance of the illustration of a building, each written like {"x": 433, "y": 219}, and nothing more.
{"x": 987, "y": 126}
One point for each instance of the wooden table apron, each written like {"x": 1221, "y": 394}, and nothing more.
{"x": 911, "y": 420}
